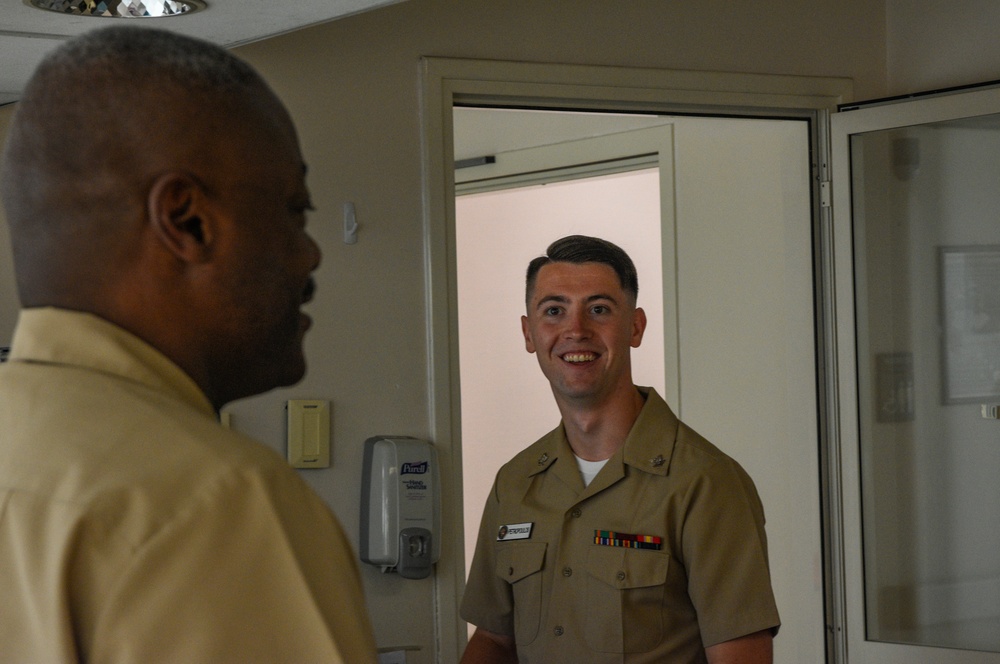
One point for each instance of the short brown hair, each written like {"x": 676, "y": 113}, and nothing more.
{"x": 586, "y": 249}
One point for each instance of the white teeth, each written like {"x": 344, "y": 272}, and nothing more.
{"x": 579, "y": 357}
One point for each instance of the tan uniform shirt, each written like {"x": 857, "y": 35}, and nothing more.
{"x": 661, "y": 556}
{"x": 134, "y": 528}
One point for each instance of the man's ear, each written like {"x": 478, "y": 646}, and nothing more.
{"x": 177, "y": 211}
{"x": 529, "y": 345}
{"x": 638, "y": 327}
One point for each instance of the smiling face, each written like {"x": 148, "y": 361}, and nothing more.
{"x": 582, "y": 325}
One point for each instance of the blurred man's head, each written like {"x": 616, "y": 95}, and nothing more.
{"x": 156, "y": 181}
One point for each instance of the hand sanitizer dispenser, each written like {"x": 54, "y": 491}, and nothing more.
{"x": 400, "y": 506}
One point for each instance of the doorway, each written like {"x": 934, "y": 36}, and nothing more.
{"x": 447, "y": 83}
{"x": 733, "y": 245}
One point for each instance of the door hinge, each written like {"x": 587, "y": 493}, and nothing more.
{"x": 824, "y": 194}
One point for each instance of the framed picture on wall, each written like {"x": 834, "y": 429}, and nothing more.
{"x": 970, "y": 306}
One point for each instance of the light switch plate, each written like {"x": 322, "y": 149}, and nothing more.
{"x": 308, "y": 433}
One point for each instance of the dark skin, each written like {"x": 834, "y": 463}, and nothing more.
{"x": 193, "y": 240}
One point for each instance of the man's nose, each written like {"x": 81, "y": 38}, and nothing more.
{"x": 577, "y": 325}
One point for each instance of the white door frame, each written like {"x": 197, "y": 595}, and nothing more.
{"x": 447, "y": 82}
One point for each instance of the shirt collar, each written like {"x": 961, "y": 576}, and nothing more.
{"x": 72, "y": 338}
{"x": 648, "y": 447}
{"x": 650, "y": 444}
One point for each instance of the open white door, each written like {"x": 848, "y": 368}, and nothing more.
{"x": 917, "y": 264}
{"x": 746, "y": 338}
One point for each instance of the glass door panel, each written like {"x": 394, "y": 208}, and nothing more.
{"x": 922, "y": 500}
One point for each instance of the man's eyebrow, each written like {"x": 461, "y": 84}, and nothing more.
{"x": 562, "y": 299}
{"x": 549, "y": 299}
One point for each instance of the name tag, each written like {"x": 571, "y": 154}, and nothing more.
{"x": 514, "y": 531}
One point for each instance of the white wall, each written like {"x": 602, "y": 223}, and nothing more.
{"x": 506, "y": 401}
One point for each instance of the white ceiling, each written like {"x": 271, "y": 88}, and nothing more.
{"x": 27, "y": 34}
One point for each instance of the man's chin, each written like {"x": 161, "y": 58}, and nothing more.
{"x": 576, "y": 392}
{"x": 296, "y": 372}
{"x": 287, "y": 373}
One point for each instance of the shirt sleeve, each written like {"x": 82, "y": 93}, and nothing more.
{"x": 725, "y": 554}
{"x": 254, "y": 569}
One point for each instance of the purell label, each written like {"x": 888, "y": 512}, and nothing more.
{"x": 413, "y": 468}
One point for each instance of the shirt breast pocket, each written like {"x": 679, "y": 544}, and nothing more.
{"x": 625, "y": 593}
{"x": 520, "y": 564}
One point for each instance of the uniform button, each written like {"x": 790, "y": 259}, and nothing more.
{"x": 620, "y": 576}
{"x": 577, "y": 512}
{"x": 510, "y": 571}
{"x": 558, "y": 631}
{"x": 567, "y": 571}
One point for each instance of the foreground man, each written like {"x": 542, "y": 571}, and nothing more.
{"x": 156, "y": 199}
{"x": 622, "y": 536}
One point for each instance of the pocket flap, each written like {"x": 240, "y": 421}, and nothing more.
{"x": 627, "y": 568}
{"x": 516, "y": 560}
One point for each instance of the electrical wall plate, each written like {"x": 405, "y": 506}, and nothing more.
{"x": 308, "y": 433}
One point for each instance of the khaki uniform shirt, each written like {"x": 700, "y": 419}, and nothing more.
{"x": 134, "y": 528}
{"x": 661, "y": 556}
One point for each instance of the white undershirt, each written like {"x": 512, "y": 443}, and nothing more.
{"x": 589, "y": 469}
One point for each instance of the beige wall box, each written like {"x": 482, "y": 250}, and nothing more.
{"x": 308, "y": 433}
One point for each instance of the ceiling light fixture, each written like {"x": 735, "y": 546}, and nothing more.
{"x": 120, "y": 8}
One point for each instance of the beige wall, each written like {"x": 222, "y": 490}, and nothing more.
{"x": 935, "y": 44}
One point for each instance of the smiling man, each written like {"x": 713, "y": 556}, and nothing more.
{"x": 622, "y": 536}
{"x": 156, "y": 198}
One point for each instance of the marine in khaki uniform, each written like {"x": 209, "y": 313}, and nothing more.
{"x": 622, "y": 535}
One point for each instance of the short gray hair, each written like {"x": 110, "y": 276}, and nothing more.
{"x": 104, "y": 90}
{"x": 136, "y": 53}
